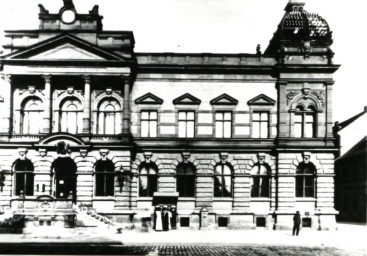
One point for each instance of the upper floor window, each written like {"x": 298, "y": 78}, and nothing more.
{"x": 109, "y": 117}
{"x": 186, "y": 124}
{"x": 149, "y": 123}
{"x": 31, "y": 116}
{"x": 148, "y": 179}
{"x": 185, "y": 176}
{"x": 223, "y": 125}
{"x": 305, "y": 179}
{"x": 260, "y": 125}
{"x": 71, "y": 116}
{"x": 105, "y": 178}
{"x": 304, "y": 122}
{"x": 223, "y": 176}
{"x": 24, "y": 177}
{"x": 260, "y": 180}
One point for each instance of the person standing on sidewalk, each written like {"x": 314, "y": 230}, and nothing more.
{"x": 296, "y": 223}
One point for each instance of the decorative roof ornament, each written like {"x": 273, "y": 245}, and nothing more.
{"x": 68, "y": 4}
{"x": 300, "y": 27}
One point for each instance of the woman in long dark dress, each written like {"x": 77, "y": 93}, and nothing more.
{"x": 165, "y": 219}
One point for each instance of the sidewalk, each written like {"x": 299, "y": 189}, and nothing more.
{"x": 347, "y": 237}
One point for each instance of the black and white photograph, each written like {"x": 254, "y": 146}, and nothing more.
{"x": 183, "y": 127}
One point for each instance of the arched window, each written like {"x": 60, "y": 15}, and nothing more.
{"x": 148, "y": 179}
{"x": 223, "y": 180}
{"x": 260, "y": 180}
{"x": 305, "y": 179}
{"x": 185, "y": 175}
{"x": 105, "y": 178}
{"x": 109, "y": 117}
{"x": 31, "y": 116}
{"x": 304, "y": 122}
{"x": 24, "y": 177}
{"x": 71, "y": 116}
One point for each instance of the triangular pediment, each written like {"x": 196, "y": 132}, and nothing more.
{"x": 224, "y": 99}
{"x": 187, "y": 99}
{"x": 66, "y": 52}
{"x": 64, "y": 47}
{"x": 149, "y": 98}
{"x": 261, "y": 99}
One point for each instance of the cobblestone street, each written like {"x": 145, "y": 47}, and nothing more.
{"x": 173, "y": 250}
{"x": 234, "y": 250}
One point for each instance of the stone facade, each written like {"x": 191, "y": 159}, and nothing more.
{"x": 257, "y": 128}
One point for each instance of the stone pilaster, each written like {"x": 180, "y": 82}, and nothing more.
{"x": 6, "y": 109}
{"x": 47, "y": 105}
{"x": 87, "y": 104}
{"x": 126, "y": 110}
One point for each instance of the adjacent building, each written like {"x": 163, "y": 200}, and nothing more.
{"x": 351, "y": 170}
{"x": 228, "y": 140}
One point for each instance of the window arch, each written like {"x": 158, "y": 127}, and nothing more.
{"x": 260, "y": 180}
{"x": 148, "y": 179}
{"x": 305, "y": 121}
{"x": 105, "y": 177}
{"x": 185, "y": 179}
{"x": 223, "y": 177}
{"x": 71, "y": 116}
{"x": 23, "y": 177}
{"x": 109, "y": 117}
{"x": 305, "y": 179}
{"x": 31, "y": 111}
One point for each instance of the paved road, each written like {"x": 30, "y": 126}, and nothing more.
{"x": 183, "y": 250}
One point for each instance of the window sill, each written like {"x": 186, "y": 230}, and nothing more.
{"x": 186, "y": 199}
{"x": 103, "y": 198}
{"x": 305, "y": 199}
{"x": 224, "y": 199}
{"x": 142, "y": 199}
{"x": 260, "y": 199}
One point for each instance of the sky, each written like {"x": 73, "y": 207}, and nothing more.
{"x": 221, "y": 26}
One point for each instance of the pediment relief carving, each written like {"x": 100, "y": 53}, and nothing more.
{"x": 149, "y": 98}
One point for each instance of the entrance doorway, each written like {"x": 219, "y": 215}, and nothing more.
{"x": 64, "y": 183}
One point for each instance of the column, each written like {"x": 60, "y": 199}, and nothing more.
{"x": 283, "y": 118}
{"x": 329, "y": 109}
{"x": 126, "y": 110}
{"x": 87, "y": 103}
{"x": 47, "y": 105}
{"x": 6, "y": 109}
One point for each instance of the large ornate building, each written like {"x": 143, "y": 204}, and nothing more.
{"x": 230, "y": 140}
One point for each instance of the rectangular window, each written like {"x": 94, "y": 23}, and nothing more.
{"x": 186, "y": 124}
{"x": 260, "y": 125}
{"x": 185, "y": 222}
{"x": 298, "y": 125}
{"x": 222, "y": 222}
{"x": 149, "y": 121}
{"x": 223, "y": 125}
{"x": 260, "y": 222}
{"x": 309, "y": 126}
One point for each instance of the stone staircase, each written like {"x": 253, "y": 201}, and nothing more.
{"x": 87, "y": 217}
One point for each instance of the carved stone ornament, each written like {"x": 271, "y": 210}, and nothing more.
{"x": 42, "y": 152}
{"x": 306, "y": 157}
{"x": 31, "y": 89}
{"x": 148, "y": 156}
{"x": 22, "y": 152}
{"x": 223, "y": 156}
{"x": 320, "y": 96}
{"x": 261, "y": 158}
{"x": 87, "y": 79}
{"x": 83, "y": 153}
{"x": 186, "y": 156}
{"x": 104, "y": 153}
{"x": 290, "y": 95}
{"x": 70, "y": 89}
{"x": 109, "y": 91}
{"x": 306, "y": 47}
{"x": 47, "y": 78}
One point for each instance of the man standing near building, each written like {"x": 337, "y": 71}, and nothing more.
{"x": 296, "y": 223}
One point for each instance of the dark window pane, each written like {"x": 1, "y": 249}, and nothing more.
{"x": 260, "y": 222}
{"x": 19, "y": 183}
{"x": 152, "y": 184}
{"x": 222, "y": 221}
{"x": 264, "y": 187}
{"x": 309, "y": 192}
{"x": 255, "y": 187}
{"x": 217, "y": 186}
